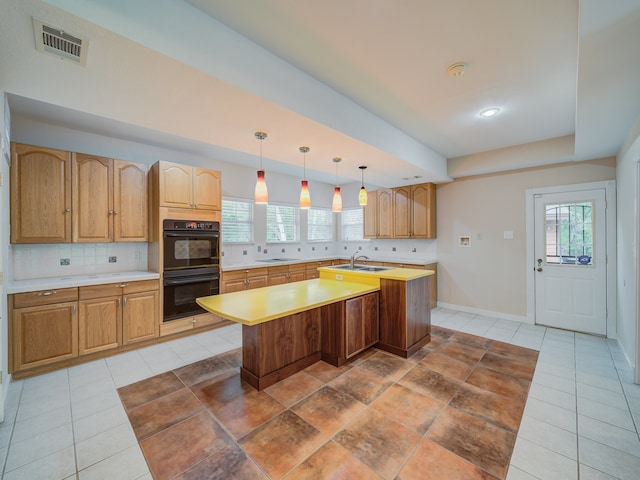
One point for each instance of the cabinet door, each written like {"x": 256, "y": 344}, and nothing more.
{"x": 296, "y": 276}
{"x": 433, "y": 284}
{"x": 257, "y": 281}
{"x": 402, "y": 212}
{"x": 423, "y": 211}
{"x": 130, "y": 202}
{"x": 40, "y": 195}
{"x": 44, "y": 335}
{"x": 370, "y": 319}
{"x": 207, "y": 189}
{"x": 99, "y": 324}
{"x": 370, "y": 216}
{"x": 175, "y": 185}
{"x": 140, "y": 320}
{"x": 234, "y": 285}
{"x": 92, "y": 198}
{"x": 385, "y": 213}
{"x": 354, "y": 334}
{"x": 278, "y": 278}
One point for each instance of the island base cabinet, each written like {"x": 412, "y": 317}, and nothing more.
{"x": 43, "y": 335}
{"x": 275, "y": 350}
{"x": 405, "y": 315}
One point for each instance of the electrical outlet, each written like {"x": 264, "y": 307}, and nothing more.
{"x": 65, "y": 261}
{"x": 113, "y": 259}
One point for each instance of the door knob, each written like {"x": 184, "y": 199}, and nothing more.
{"x": 539, "y": 269}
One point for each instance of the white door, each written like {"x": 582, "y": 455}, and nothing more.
{"x": 570, "y": 261}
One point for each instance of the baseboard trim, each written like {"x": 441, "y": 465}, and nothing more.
{"x": 487, "y": 313}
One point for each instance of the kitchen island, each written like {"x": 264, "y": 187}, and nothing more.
{"x": 286, "y": 328}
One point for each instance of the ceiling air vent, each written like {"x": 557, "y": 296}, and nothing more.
{"x": 55, "y": 41}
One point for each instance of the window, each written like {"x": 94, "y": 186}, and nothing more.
{"x": 319, "y": 225}
{"x": 569, "y": 237}
{"x": 282, "y": 223}
{"x": 352, "y": 224}
{"x": 237, "y": 221}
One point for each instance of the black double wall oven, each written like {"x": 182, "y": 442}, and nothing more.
{"x": 191, "y": 265}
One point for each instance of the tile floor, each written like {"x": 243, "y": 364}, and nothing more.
{"x": 579, "y": 420}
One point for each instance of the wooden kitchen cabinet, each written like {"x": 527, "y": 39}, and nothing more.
{"x": 349, "y": 327}
{"x": 183, "y": 186}
{"x": 311, "y": 270}
{"x": 43, "y": 328}
{"x": 433, "y": 279}
{"x": 190, "y": 323}
{"x": 361, "y": 323}
{"x": 40, "y": 195}
{"x": 280, "y": 274}
{"x": 99, "y": 323}
{"x": 109, "y": 200}
{"x": 130, "y": 202}
{"x": 377, "y": 218}
{"x": 414, "y": 211}
{"x": 140, "y": 311}
{"x": 245, "y": 279}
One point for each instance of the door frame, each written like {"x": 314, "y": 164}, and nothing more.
{"x": 609, "y": 187}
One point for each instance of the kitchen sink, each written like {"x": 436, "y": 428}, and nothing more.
{"x": 361, "y": 268}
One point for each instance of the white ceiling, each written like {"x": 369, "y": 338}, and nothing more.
{"x": 365, "y": 80}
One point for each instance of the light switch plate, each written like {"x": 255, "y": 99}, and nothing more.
{"x": 508, "y": 235}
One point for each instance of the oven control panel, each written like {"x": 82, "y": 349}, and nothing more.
{"x": 182, "y": 225}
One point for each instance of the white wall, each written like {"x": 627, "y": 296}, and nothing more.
{"x": 628, "y": 261}
{"x": 4, "y": 242}
{"x": 489, "y": 275}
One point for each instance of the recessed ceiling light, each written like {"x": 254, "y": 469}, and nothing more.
{"x": 490, "y": 112}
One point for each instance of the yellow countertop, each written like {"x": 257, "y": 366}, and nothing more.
{"x": 252, "y": 307}
{"x": 402, "y": 274}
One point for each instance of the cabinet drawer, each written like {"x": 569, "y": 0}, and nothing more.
{"x": 45, "y": 297}
{"x": 140, "y": 286}
{"x": 279, "y": 269}
{"x": 100, "y": 291}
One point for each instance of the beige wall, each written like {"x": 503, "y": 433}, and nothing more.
{"x": 489, "y": 275}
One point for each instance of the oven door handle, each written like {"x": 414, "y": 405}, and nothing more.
{"x": 192, "y": 233}
{"x": 186, "y": 281}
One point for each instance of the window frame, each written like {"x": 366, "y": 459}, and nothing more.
{"x": 331, "y": 225}
{"x": 251, "y": 221}
{"x": 342, "y": 225}
{"x": 296, "y": 226}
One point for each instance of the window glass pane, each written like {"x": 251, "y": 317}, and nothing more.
{"x": 569, "y": 236}
{"x": 352, "y": 224}
{"x": 282, "y": 223}
{"x": 237, "y": 221}
{"x": 319, "y": 224}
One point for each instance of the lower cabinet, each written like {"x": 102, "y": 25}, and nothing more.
{"x": 51, "y": 326}
{"x": 246, "y": 279}
{"x": 189, "y": 323}
{"x": 43, "y": 328}
{"x": 349, "y": 327}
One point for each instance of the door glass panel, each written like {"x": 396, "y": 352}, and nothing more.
{"x": 569, "y": 233}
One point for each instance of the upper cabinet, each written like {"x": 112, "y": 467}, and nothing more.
{"x": 63, "y": 197}
{"x": 109, "y": 200}
{"x": 40, "y": 195}
{"x": 414, "y": 212}
{"x": 182, "y": 186}
{"x": 377, "y": 214}
{"x": 402, "y": 212}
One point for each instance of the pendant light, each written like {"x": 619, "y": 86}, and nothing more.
{"x": 261, "y": 195}
{"x": 336, "y": 205}
{"x": 305, "y": 197}
{"x": 362, "y": 196}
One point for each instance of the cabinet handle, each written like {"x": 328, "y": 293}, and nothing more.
{"x": 74, "y": 309}
{"x": 194, "y": 321}
{"x": 46, "y": 294}
{"x": 115, "y": 212}
{"x": 124, "y": 300}
{"x": 118, "y": 303}
{"x": 122, "y": 285}
{"x": 246, "y": 271}
{"x": 110, "y": 212}
{"x": 67, "y": 210}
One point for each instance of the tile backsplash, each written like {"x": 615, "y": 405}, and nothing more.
{"x": 39, "y": 261}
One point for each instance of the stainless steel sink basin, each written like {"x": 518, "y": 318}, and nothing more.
{"x": 361, "y": 268}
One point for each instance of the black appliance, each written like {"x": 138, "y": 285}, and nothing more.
{"x": 191, "y": 244}
{"x": 191, "y": 266}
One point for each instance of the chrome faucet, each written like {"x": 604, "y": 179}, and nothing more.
{"x": 352, "y": 263}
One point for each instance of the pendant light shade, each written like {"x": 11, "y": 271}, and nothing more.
{"x": 362, "y": 196}
{"x": 305, "y": 196}
{"x": 336, "y": 204}
{"x": 261, "y": 195}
